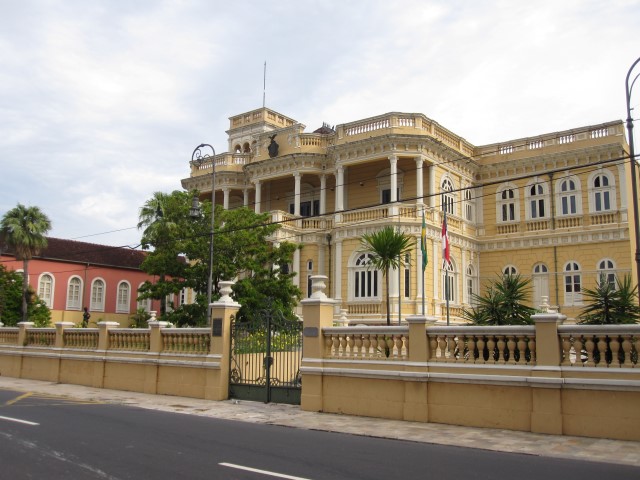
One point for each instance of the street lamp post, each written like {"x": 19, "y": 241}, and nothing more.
{"x": 632, "y": 157}
{"x": 199, "y": 158}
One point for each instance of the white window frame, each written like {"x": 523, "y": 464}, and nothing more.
{"x": 572, "y": 283}
{"x": 509, "y": 205}
{"x": 471, "y": 288}
{"x": 601, "y": 192}
{"x": 607, "y": 267}
{"x": 359, "y": 271}
{"x": 447, "y": 196}
{"x": 563, "y": 197}
{"x": 540, "y": 280}
{"x": 144, "y": 303}
{"x": 74, "y": 302}
{"x": 453, "y": 282}
{"x": 469, "y": 206}
{"x": 509, "y": 270}
{"x": 97, "y": 302}
{"x": 539, "y": 198}
{"x": 121, "y": 306}
{"x": 46, "y": 291}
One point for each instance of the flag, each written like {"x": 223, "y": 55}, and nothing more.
{"x": 423, "y": 243}
{"x": 445, "y": 240}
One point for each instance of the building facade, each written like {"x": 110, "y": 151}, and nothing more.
{"x": 70, "y": 275}
{"x": 553, "y": 208}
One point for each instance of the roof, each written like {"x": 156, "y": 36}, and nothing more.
{"x": 92, "y": 253}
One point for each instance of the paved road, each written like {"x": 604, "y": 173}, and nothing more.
{"x": 79, "y": 439}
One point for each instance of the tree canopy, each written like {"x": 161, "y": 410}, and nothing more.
{"x": 179, "y": 257}
{"x": 611, "y": 303}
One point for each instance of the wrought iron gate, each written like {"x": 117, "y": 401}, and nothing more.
{"x": 265, "y": 359}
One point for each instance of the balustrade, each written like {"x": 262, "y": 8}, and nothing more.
{"x": 129, "y": 339}
{"x": 604, "y": 218}
{"x": 569, "y": 222}
{"x": 81, "y": 337}
{"x": 375, "y": 213}
{"x": 364, "y": 308}
{"x": 483, "y": 345}
{"x": 9, "y": 336}
{"x": 44, "y": 337}
{"x": 370, "y": 343}
{"x": 181, "y": 340}
{"x": 598, "y": 346}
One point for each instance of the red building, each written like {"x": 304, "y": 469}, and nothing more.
{"x": 70, "y": 275}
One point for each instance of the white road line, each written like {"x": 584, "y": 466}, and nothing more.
{"x": 17, "y": 420}
{"x": 264, "y": 472}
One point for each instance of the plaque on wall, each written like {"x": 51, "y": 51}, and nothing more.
{"x": 216, "y": 328}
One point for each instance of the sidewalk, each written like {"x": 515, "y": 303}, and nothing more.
{"x": 578, "y": 448}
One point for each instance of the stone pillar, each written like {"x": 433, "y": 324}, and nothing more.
{"x": 60, "y": 327}
{"x": 432, "y": 186}
{"x": 546, "y": 415}
{"x": 296, "y": 193}
{"x": 419, "y": 181}
{"x": 217, "y": 379}
{"x": 323, "y": 194}
{"x": 340, "y": 188}
{"x": 22, "y": 332}
{"x": 245, "y": 199}
{"x": 103, "y": 335}
{"x": 393, "y": 177}
{"x": 322, "y": 248}
{"x": 337, "y": 277}
{"x": 256, "y": 206}
{"x": 416, "y": 406}
{"x": 296, "y": 267}
{"x": 317, "y": 312}
{"x": 225, "y": 202}
{"x": 155, "y": 335}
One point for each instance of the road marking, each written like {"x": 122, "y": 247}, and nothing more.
{"x": 17, "y": 399}
{"x": 17, "y": 420}
{"x": 264, "y": 472}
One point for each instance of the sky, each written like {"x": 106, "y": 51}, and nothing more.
{"x": 102, "y": 102}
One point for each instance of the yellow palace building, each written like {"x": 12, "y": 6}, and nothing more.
{"x": 555, "y": 208}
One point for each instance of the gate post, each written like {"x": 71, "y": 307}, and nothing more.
{"x": 217, "y": 379}
{"x": 317, "y": 313}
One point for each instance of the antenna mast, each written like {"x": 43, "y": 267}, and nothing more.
{"x": 264, "y": 84}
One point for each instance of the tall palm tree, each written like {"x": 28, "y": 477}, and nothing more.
{"x": 387, "y": 249}
{"x": 24, "y": 230}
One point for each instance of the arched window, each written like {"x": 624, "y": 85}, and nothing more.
{"x": 123, "y": 299}
{"x": 536, "y": 201}
{"x": 450, "y": 282}
{"x": 447, "y": 197}
{"x": 45, "y": 289}
{"x": 97, "y": 295}
{"x": 540, "y": 277}
{"x": 472, "y": 285}
{"x": 569, "y": 197}
{"x": 469, "y": 206}
{"x": 607, "y": 271}
{"x": 144, "y": 303}
{"x": 507, "y": 206}
{"x": 365, "y": 279}
{"x": 509, "y": 270}
{"x": 602, "y": 196}
{"x": 572, "y": 284}
{"x": 74, "y": 294}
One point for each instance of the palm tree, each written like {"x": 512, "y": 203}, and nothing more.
{"x": 503, "y": 303}
{"x": 24, "y": 229}
{"x": 611, "y": 303}
{"x": 387, "y": 249}
{"x": 156, "y": 228}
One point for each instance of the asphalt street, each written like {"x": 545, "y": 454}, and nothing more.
{"x": 43, "y": 436}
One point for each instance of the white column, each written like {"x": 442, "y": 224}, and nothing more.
{"x": 246, "y": 197}
{"x": 258, "y": 195}
{"x": 322, "y": 248}
{"x": 225, "y": 201}
{"x": 419, "y": 181}
{"x": 340, "y": 188}
{"x": 296, "y": 194}
{"x": 296, "y": 267}
{"x": 393, "y": 163}
{"x": 337, "y": 278}
{"x": 432, "y": 186}
{"x": 323, "y": 194}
